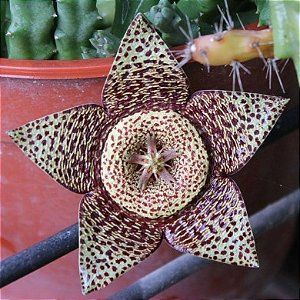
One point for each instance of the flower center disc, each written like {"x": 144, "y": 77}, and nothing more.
{"x": 159, "y": 197}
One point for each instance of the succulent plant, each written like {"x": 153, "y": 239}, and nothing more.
{"x": 77, "y": 20}
{"x": 171, "y": 22}
{"x": 285, "y": 17}
{"x": 153, "y": 162}
{"x": 28, "y": 35}
{"x": 105, "y": 44}
{"x": 36, "y": 31}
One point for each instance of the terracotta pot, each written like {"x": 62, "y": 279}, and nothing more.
{"x": 35, "y": 207}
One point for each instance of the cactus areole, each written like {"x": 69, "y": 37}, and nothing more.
{"x": 154, "y": 162}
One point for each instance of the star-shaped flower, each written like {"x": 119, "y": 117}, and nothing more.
{"x": 153, "y": 163}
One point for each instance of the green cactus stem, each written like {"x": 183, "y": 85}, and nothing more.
{"x": 171, "y": 22}
{"x": 29, "y": 33}
{"x": 5, "y": 20}
{"x": 77, "y": 20}
{"x": 106, "y": 9}
{"x": 285, "y": 16}
{"x": 198, "y": 7}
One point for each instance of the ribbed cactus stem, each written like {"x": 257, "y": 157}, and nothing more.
{"x": 4, "y": 23}
{"x": 29, "y": 33}
{"x": 77, "y": 20}
{"x": 168, "y": 19}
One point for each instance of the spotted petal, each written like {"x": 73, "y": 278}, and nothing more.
{"x": 234, "y": 123}
{"x": 144, "y": 73}
{"x": 217, "y": 227}
{"x": 111, "y": 243}
{"x": 64, "y": 145}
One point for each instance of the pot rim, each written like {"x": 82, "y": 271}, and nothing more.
{"x": 58, "y": 69}
{"x": 55, "y": 69}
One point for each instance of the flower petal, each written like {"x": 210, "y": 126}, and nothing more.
{"x": 144, "y": 178}
{"x": 144, "y": 73}
{"x": 139, "y": 159}
{"x": 234, "y": 123}
{"x": 169, "y": 154}
{"x": 64, "y": 145}
{"x": 151, "y": 145}
{"x": 217, "y": 227}
{"x": 111, "y": 243}
{"x": 166, "y": 176}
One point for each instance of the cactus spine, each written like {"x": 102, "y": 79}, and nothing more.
{"x": 29, "y": 33}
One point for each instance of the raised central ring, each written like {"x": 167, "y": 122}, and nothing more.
{"x": 159, "y": 197}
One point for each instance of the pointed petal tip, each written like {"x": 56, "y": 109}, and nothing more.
{"x": 89, "y": 284}
{"x": 283, "y": 101}
{"x": 255, "y": 263}
{"x": 251, "y": 262}
{"x": 109, "y": 243}
{"x": 286, "y": 100}
{"x": 17, "y": 137}
{"x": 85, "y": 289}
{"x": 84, "y": 292}
{"x": 12, "y": 134}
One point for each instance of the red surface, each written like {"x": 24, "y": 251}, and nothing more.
{"x": 35, "y": 207}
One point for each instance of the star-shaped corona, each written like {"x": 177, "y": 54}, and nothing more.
{"x": 153, "y": 162}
